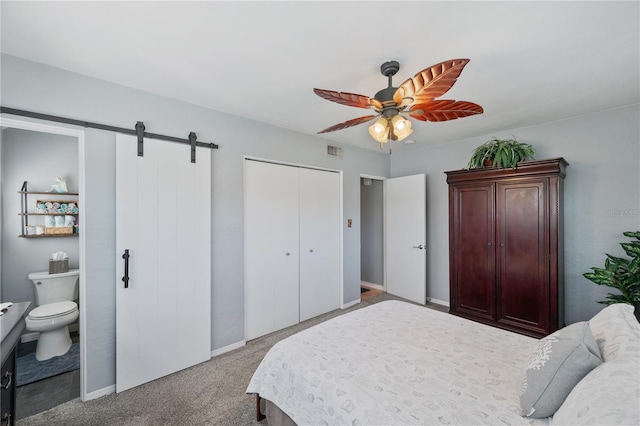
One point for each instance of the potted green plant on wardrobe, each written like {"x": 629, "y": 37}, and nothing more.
{"x": 622, "y": 274}
{"x": 500, "y": 153}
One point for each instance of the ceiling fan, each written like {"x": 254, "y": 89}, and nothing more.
{"x": 415, "y": 98}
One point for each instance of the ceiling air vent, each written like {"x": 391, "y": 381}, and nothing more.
{"x": 334, "y": 151}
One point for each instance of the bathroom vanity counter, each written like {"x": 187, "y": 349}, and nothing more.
{"x": 11, "y": 326}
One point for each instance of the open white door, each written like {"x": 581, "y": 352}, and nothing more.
{"x": 163, "y": 317}
{"x": 405, "y": 236}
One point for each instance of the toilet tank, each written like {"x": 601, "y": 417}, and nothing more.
{"x": 51, "y": 288}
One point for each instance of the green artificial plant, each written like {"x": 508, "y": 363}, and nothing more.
{"x": 621, "y": 273}
{"x": 500, "y": 153}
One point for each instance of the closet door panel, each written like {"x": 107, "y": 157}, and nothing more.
{"x": 319, "y": 242}
{"x": 271, "y": 248}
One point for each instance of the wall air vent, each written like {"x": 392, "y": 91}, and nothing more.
{"x": 334, "y": 151}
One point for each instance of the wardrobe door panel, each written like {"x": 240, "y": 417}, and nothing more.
{"x": 271, "y": 248}
{"x": 319, "y": 242}
{"x": 472, "y": 269}
{"x": 523, "y": 284}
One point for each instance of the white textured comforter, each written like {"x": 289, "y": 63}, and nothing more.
{"x": 396, "y": 363}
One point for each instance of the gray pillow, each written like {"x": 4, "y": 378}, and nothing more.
{"x": 558, "y": 363}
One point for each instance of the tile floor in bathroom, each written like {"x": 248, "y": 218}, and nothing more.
{"x": 44, "y": 394}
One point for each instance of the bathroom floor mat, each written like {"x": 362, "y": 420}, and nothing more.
{"x": 31, "y": 370}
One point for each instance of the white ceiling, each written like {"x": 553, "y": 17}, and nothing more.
{"x": 531, "y": 62}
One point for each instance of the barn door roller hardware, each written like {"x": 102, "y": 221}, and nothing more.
{"x": 139, "y": 130}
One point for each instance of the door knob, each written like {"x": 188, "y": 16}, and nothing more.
{"x": 420, "y": 247}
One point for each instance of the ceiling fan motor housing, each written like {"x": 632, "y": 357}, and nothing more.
{"x": 389, "y": 107}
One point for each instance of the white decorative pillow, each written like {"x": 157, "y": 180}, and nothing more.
{"x": 616, "y": 331}
{"x": 609, "y": 395}
{"x": 558, "y": 363}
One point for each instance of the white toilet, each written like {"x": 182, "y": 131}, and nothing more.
{"x": 56, "y": 309}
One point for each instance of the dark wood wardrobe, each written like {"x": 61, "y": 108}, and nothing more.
{"x": 505, "y": 246}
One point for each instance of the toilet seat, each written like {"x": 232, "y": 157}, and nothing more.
{"x": 52, "y": 310}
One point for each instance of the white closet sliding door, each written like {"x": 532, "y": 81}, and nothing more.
{"x": 292, "y": 245}
{"x": 271, "y": 248}
{"x": 319, "y": 242}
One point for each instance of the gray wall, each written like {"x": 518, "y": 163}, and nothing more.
{"x": 37, "y": 158}
{"x": 36, "y": 87}
{"x": 601, "y": 195}
{"x": 371, "y": 232}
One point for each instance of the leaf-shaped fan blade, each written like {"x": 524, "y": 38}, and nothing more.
{"x": 444, "y": 110}
{"x": 430, "y": 82}
{"x": 349, "y": 123}
{"x": 349, "y": 99}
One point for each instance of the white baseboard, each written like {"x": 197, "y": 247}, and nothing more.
{"x": 350, "y": 304}
{"x": 228, "y": 348}
{"x": 371, "y": 285}
{"x": 29, "y": 336}
{"x": 99, "y": 393}
{"x": 438, "y": 302}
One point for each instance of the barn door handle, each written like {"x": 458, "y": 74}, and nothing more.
{"x": 125, "y": 279}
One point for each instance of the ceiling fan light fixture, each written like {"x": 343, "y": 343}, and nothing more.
{"x": 379, "y": 130}
{"x": 401, "y": 127}
{"x": 380, "y": 126}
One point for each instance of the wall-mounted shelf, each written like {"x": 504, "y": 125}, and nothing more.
{"x": 48, "y": 214}
{"x": 48, "y": 232}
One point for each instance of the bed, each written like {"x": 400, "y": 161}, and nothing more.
{"x": 395, "y": 363}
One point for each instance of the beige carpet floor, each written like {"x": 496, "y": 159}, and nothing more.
{"x": 211, "y": 393}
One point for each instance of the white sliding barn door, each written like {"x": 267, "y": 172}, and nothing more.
{"x": 319, "y": 242}
{"x": 163, "y": 204}
{"x": 271, "y": 248}
{"x": 406, "y": 225}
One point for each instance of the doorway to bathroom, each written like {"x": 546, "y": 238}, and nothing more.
{"x": 38, "y": 154}
{"x": 372, "y": 265}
